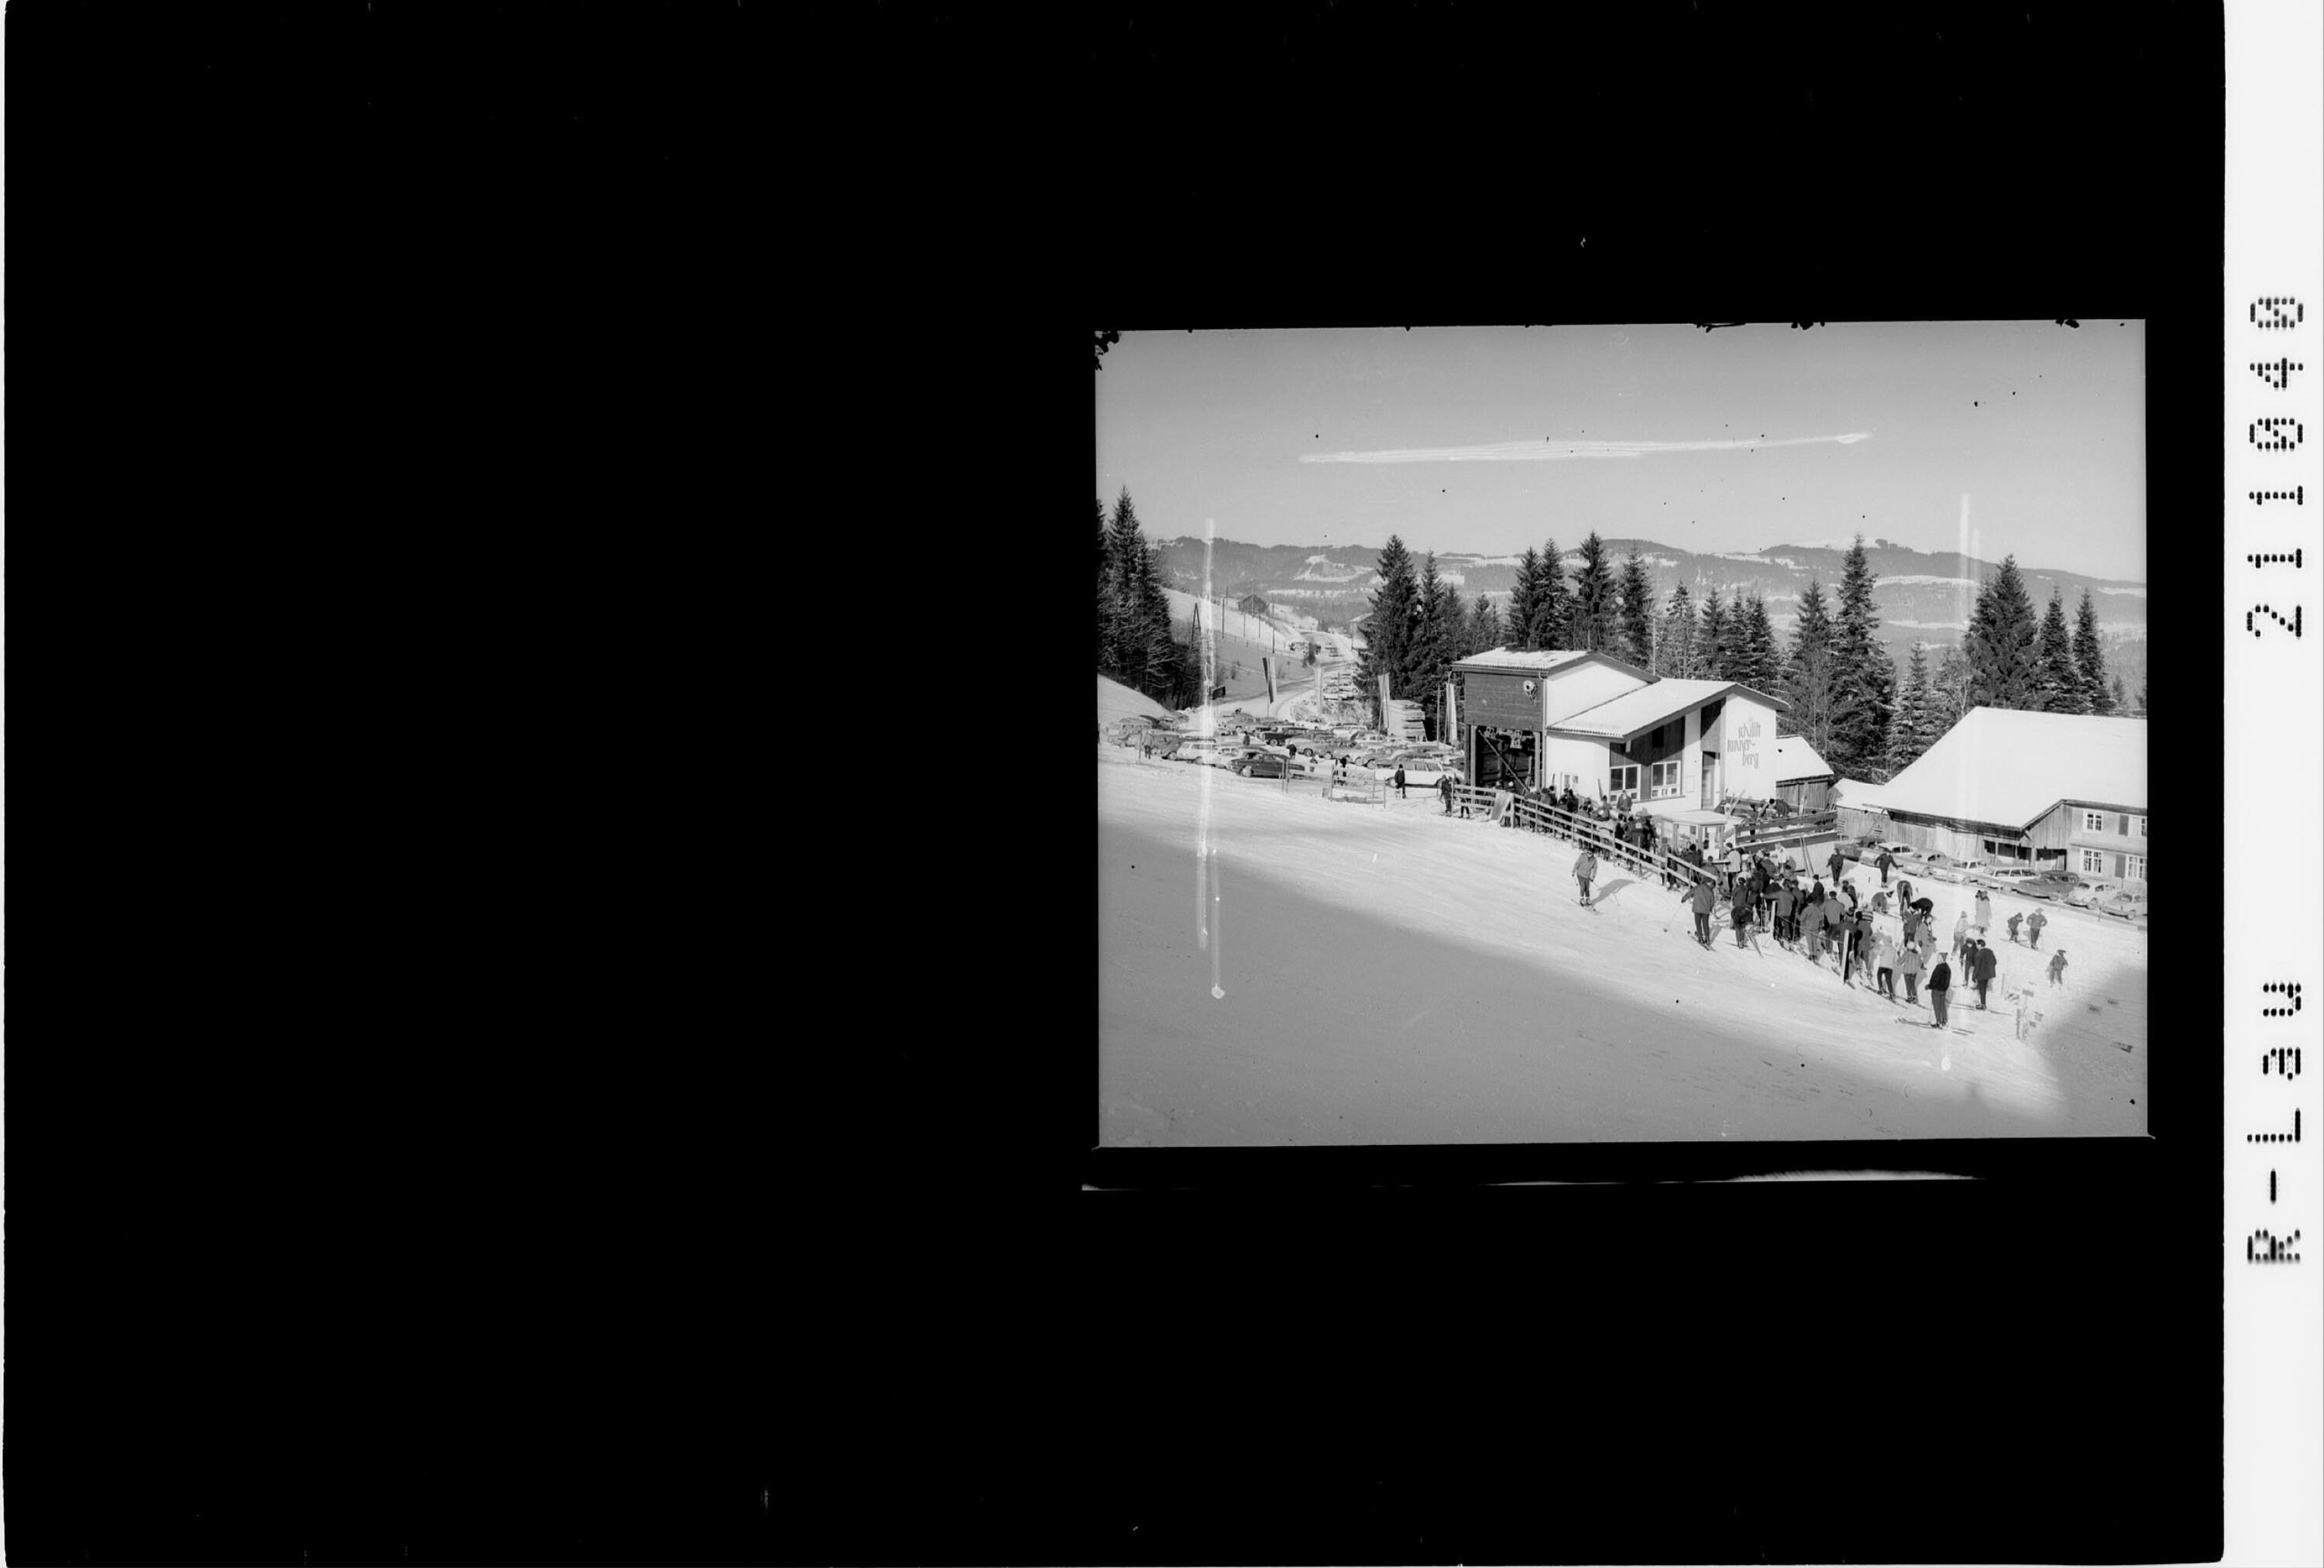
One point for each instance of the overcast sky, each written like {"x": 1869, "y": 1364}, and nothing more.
{"x": 1487, "y": 440}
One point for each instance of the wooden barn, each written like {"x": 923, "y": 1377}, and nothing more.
{"x": 1804, "y": 779}
{"x": 1251, "y": 604}
{"x": 2038, "y": 789}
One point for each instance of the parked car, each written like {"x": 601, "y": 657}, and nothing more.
{"x": 1966, "y": 869}
{"x": 1261, "y": 765}
{"x": 2089, "y": 894}
{"x": 2122, "y": 903}
{"x": 2055, "y": 882}
{"x": 2011, "y": 879}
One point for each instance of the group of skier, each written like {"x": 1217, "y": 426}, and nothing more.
{"x": 1763, "y": 892}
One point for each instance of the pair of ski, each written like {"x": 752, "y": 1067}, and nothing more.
{"x": 1921, "y": 1023}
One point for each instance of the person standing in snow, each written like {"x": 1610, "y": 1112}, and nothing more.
{"x": 1702, "y": 897}
{"x": 2033, "y": 928}
{"x": 1983, "y": 911}
{"x": 1835, "y": 922}
{"x": 1941, "y": 980}
{"x": 1981, "y": 967}
{"x": 1399, "y": 783}
{"x": 1740, "y": 912}
{"x": 1908, "y": 964}
{"x": 1903, "y": 893}
{"x": 1585, "y": 872}
{"x": 1884, "y": 863}
{"x": 1864, "y": 937}
{"x": 1444, "y": 789}
{"x": 1835, "y": 862}
{"x": 1787, "y": 900}
{"x": 1960, "y": 935}
{"x": 2014, "y": 921}
{"x": 1884, "y": 960}
{"x": 2058, "y": 968}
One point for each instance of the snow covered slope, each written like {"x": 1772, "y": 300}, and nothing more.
{"x": 1395, "y": 976}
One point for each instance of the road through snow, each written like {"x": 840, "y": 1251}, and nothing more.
{"x": 1397, "y": 976}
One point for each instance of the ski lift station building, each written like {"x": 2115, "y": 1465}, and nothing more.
{"x": 2038, "y": 789}
{"x": 1561, "y": 717}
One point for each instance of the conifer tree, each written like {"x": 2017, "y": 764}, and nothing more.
{"x": 1864, "y": 677}
{"x": 1636, "y": 594}
{"x": 1104, "y": 598}
{"x": 1388, "y": 635}
{"x": 1675, "y": 649}
{"x": 1484, "y": 626}
{"x": 1164, "y": 659}
{"x": 1711, "y": 648}
{"x": 2002, "y": 645}
{"x": 2120, "y": 703}
{"x": 1593, "y": 618}
{"x": 1549, "y": 624}
{"x": 2098, "y": 694}
{"x": 1444, "y": 630}
{"x": 1524, "y": 599}
{"x": 2142, "y": 697}
{"x": 2059, "y": 683}
{"x": 1909, "y": 730}
{"x": 1809, "y": 675}
{"x": 1756, "y": 661}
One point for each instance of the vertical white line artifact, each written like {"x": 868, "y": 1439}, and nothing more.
{"x": 1207, "y": 875}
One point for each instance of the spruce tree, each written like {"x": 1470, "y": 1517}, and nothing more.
{"x": 1864, "y": 679}
{"x": 2003, "y": 654}
{"x": 2098, "y": 694}
{"x": 1908, "y": 730}
{"x": 1756, "y": 662}
{"x": 1637, "y": 597}
{"x": 1808, "y": 672}
{"x": 1163, "y": 659}
{"x": 1550, "y": 623}
{"x": 2119, "y": 702}
{"x": 1388, "y": 635}
{"x": 1523, "y": 601}
{"x": 1105, "y": 611}
{"x": 1436, "y": 644}
{"x": 1675, "y": 649}
{"x": 1593, "y": 618}
{"x": 1711, "y": 649}
{"x": 2142, "y": 697}
{"x": 1484, "y": 626}
{"x": 2058, "y": 684}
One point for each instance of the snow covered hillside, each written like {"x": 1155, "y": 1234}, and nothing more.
{"x": 1395, "y": 976}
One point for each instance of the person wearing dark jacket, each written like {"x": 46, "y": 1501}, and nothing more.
{"x": 1740, "y": 911}
{"x": 1444, "y": 789}
{"x": 1941, "y": 980}
{"x": 1399, "y": 782}
{"x": 1903, "y": 893}
{"x": 1702, "y": 897}
{"x": 1981, "y": 966}
{"x": 1787, "y": 900}
{"x": 1884, "y": 863}
{"x": 1834, "y": 864}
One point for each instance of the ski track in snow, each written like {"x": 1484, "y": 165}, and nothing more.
{"x": 1401, "y": 977}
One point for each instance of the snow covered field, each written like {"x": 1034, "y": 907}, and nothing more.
{"x": 1395, "y": 976}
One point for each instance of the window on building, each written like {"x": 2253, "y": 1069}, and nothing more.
{"x": 2134, "y": 869}
{"x": 1665, "y": 781}
{"x": 2142, "y": 825}
{"x": 1618, "y": 778}
{"x": 2093, "y": 822}
{"x": 2094, "y": 861}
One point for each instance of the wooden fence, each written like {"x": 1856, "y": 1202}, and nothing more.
{"x": 1537, "y": 815}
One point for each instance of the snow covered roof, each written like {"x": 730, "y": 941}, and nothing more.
{"x": 1796, "y": 760}
{"x": 1513, "y": 658}
{"x": 1857, "y": 795}
{"x": 2009, "y": 768}
{"x": 1633, "y": 713}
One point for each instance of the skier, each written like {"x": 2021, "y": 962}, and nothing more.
{"x": 2033, "y": 928}
{"x": 2014, "y": 920}
{"x": 1984, "y": 911}
{"x": 1444, "y": 789}
{"x": 1884, "y": 863}
{"x": 1786, "y": 899}
{"x": 1908, "y": 964}
{"x": 1941, "y": 980}
{"x": 1960, "y": 935}
{"x": 2058, "y": 968}
{"x": 1585, "y": 872}
{"x": 1884, "y": 959}
{"x": 1837, "y": 860}
{"x": 1981, "y": 966}
{"x": 1702, "y": 897}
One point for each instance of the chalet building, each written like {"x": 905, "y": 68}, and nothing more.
{"x": 1590, "y": 720}
{"x": 1251, "y": 604}
{"x": 2042, "y": 789}
{"x": 1804, "y": 780}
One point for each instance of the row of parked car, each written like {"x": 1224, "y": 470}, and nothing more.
{"x": 2048, "y": 883}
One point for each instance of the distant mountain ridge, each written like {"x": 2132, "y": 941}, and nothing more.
{"x": 1921, "y": 596}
